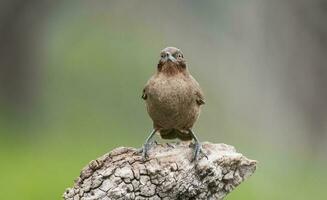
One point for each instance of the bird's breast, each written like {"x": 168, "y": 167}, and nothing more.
{"x": 171, "y": 103}
{"x": 171, "y": 92}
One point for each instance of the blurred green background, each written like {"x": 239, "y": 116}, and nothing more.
{"x": 72, "y": 72}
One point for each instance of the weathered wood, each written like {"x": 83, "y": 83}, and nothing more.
{"x": 167, "y": 174}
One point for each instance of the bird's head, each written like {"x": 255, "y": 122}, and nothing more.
{"x": 171, "y": 61}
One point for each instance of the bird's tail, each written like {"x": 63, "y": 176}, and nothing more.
{"x": 174, "y": 133}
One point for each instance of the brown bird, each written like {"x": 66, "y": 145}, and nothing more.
{"x": 173, "y": 99}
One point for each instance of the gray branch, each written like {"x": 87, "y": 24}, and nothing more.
{"x": 167, "y": 174}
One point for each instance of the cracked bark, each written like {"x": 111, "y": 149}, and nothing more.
{"x": 167, "y": 174}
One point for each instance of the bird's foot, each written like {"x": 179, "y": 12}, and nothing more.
{"x": 145, "y": 149}
{"x": 148, "y": 144}
{"x": 197, "y": 150}
{"x": 145, "y": 152}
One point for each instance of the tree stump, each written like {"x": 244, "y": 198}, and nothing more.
{"x": 168, "y": 173}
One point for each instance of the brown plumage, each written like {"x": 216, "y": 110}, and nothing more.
{"x": 173, "y": 97}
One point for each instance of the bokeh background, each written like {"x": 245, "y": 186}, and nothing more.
{"x": 72, "y": 72}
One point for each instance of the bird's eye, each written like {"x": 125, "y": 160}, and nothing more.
{"x": 180, "y": 55}
{"x": 162, "y": 55}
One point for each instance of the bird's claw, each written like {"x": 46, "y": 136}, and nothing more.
{"x": 148, "y": 144}
{"x": 198, "y": 149}
{"x": 145, "y": 149}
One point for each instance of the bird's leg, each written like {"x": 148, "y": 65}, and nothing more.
{"x": 146, "y": 145}
{"x": 197, "y": 145}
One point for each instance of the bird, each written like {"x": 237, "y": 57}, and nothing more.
{"x": 173, "y": 100}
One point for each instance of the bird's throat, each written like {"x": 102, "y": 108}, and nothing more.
{"x": 171, "y": 69}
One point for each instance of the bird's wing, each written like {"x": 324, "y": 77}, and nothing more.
{"x": 144, "y": 92}
{"x": 198, "y": 92}
{"x": 200, "y": 98}
{"x": 148, "y": 85}
{"x": 146, "y": 88}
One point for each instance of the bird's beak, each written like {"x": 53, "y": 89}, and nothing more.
{"x": 169, "y": 57}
